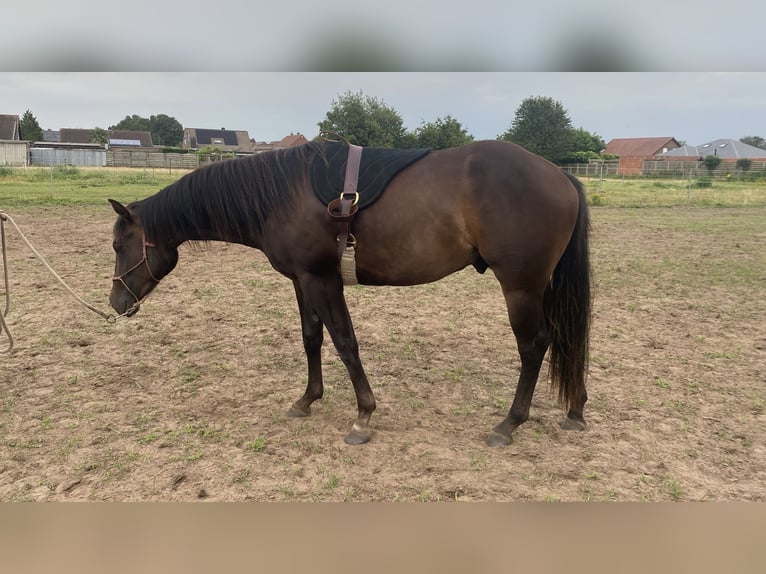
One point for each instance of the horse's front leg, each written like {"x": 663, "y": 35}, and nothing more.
{"x": 313, "y": 334}
{"x": 324, "y": 295}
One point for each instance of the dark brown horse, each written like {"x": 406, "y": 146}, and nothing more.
{"x": 488, "y": 204}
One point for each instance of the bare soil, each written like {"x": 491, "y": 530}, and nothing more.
{"x": 187, "y": 400}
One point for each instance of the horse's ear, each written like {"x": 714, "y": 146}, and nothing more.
{"x": 120, "y": 209}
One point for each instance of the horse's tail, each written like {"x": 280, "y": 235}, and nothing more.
{"x": 568, "y": 308}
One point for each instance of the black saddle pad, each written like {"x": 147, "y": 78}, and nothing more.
{"x": 377, "y": 168}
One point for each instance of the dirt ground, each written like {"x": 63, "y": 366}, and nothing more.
{"x": 187, "y": 400}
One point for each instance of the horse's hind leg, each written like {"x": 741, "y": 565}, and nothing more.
{"x": 313, "y": 335}
{"x": 525, "y": 311}
{"x": 575, "y": 419}
{"x": 324, "y": 296}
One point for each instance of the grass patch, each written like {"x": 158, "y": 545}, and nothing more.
{"x": 702, "y": 192}
{"x": 662, "y": 383}
{"x": 256, "y": 445}
{"x": 672, "y": 487}
{"x": 66, "y": 185}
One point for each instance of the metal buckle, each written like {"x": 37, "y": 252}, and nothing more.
{"x": 344, "y": 194}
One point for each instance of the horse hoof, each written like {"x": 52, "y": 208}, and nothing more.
{"x": 297, "y": 412}
{"x": 358, "y": 436}
{"x": 496, "y": 439}
{"x": 572, "y": 424}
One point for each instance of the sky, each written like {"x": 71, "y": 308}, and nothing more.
{"x": 696, "y": 107}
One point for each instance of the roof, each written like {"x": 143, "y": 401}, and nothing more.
{"x": 206, "y": 137}
{"x": 74, "y": 135}
{"x": 145, "y": 138}
{"x": 227, "y": 140}
{"x": 725, "y": 148}
{"x": 81, "y": 136}
{"x": 9, "y": 127}
{"x": 291, "y": 140}
{"x": 640, "y": 146}
{"x": 51, "y": 136}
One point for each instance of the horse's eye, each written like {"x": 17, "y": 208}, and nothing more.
{"x": 117, "y": 247}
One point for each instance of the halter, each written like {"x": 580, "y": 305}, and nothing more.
{"x": 144, "y": 260}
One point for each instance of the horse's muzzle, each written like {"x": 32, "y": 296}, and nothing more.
{"x": 126, "y": 307}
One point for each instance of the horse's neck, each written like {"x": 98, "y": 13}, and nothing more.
{"x": 200, "y": 224}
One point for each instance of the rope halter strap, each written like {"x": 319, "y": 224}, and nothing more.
{"x": 144, "y": 260}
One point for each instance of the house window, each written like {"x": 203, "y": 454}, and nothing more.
{"x": 216, "y": 141}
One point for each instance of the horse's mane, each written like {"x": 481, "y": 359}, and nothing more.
{"x": 227, "y": 199}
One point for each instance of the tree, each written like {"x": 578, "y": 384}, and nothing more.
{"x": 583, "y": 140}
{"x": 364, "y": 120}
{"x": 584, "y": 146}
{"x": 134, "y": 123}
{"x": 165, "y": 130}
{"x": 99, "y": 136}
{"x": 542, "y": 126}
{"x": 441, "y": 133}
{"x": 29, "y": 129}
{"x": 756, "y": 141}
{"x": 711, "y": 162}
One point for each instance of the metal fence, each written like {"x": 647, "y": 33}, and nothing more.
{"x": 78, "y": 157}
{"x": 112, "y": 158}
{"x": 596, "y": 169}
{"x": 695, "y": 169}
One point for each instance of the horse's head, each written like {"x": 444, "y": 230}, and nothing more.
{"x": 139, "y": 265}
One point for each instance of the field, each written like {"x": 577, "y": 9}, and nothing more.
{"x": 187, "y": 400}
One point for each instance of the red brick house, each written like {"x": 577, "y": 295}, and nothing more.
{"x": 287, "y": 141}
{"x": 633, "y": 151}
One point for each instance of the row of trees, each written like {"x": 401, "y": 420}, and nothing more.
{"x": 541, "y": 125}
{"x": 367, "y": 121}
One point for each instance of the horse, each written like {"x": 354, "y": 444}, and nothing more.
{"x": 490, "y": 204}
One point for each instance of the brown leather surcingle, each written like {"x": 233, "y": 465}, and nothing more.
{"x": 343, "y": 209}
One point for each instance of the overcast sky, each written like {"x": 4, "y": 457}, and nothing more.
{"x": 693, "y": 106}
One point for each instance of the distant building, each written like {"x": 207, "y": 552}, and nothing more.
{"x": 223, "y": 139}
{"x": 633, "y": 151}
{"x": 13, "y": 151}
{"x": 10, "y": 128}
{"x": 51, "y": 136}
{"x": 726, "y": 149}
{"x": 129, "y": 138}
{"x": 117, "y": 138}
{"x": 285, "y": 142}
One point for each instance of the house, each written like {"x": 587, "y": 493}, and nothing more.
{"x": 13, "y": 151}
{"x": 726, "y": 149}
{"x": 129, "y": 138}
{"x": 290, "y": 141}
{"x": 10, "y": 128}
{"x": 51, "y": 136}
{"x": 633, "y": 151}
{"x": 285, "y": 142}
{"x": 223, "y": 139}
{"x": 117, "y": 138}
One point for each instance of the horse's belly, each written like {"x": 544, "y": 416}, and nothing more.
{"x": 408, "y": 266}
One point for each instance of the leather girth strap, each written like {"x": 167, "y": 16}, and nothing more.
{"x": 343, "y": 209}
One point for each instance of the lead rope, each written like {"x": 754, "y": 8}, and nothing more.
{"x": 110, "y": 318}
{"x": 3, "y": 324}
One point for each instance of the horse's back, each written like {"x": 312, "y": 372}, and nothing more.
{"x": 489, "y": 201}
